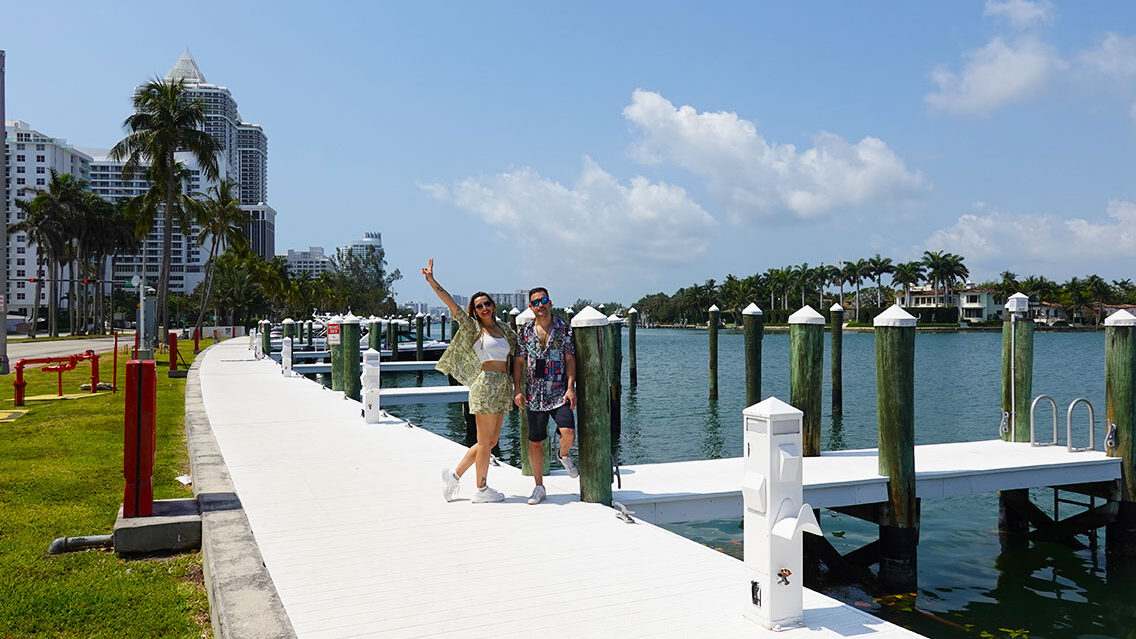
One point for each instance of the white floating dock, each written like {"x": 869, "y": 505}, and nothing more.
{"x": 711, "y": 489}
{"x": 385, "y": 367}
{"x": 359, "y": 542}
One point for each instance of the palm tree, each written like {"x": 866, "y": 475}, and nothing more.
{"x": 907, "y": 274}
{"x": 1099, "y": 292}
{"x": 166, "y": 121}
{"x": 222, "y": 222}
{"x": 1008, "y": 285}
{"x": 936, "y": 262}
{"x": 854, "y": 273}
{"x": 878, "y": 267}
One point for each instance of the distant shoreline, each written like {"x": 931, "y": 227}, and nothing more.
{"x": 778, "y": 328}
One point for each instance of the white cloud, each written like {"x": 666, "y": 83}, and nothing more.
{"x": 591, "y": 226}
{"x": 998, "y": 74}
{"x": 1114, "y": 57}
{"x": 1003, "y": 237}
{"x": 754, "y": 176}
{"x": 1021, "y": 14}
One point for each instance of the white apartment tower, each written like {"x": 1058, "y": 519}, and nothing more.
{"x": 243, "y": 158}
{"x": 29, "y": 157}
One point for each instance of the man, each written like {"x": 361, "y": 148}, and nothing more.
{"x": 544, "y": 379}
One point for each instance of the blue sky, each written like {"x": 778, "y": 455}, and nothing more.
{"x": 610, "y": 150}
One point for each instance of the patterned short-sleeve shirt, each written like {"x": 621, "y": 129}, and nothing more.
{"x": 546, "y": 366}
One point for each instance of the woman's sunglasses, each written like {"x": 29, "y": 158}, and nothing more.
{"x": 483, "y": 305}
{"x": 536, "y": 303}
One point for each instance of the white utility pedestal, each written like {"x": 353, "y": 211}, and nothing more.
{"x": 286, "y": 356}
{"x": 774, "y": 513}
{"x": 369, "y": 382}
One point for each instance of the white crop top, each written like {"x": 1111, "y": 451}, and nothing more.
{"x": 491, "y": 349}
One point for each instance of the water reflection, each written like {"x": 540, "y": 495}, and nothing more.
{"x": 836, "y": 433}
{"x": 713, "y": 443}
{"x": 632, "y": 433}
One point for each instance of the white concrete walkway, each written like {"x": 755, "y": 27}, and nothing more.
{"x": 359, "y": 542}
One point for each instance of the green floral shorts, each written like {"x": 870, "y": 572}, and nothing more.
{"x": 491, "y": 394}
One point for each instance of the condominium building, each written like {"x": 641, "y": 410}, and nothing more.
{"x": 29, "y": 158}
{"x": 311, "y": 262}
{"x": 359, "y": 247}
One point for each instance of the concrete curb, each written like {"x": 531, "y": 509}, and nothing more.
{"x": 243, "y": 602}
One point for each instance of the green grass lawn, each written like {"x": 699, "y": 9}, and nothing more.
{"x": 61, "y": 475}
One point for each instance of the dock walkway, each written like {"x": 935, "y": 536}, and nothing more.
{"x": 710, "y": 489}
{"x": 358, "y": 541}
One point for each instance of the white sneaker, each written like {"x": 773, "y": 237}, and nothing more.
{"x": 450, "y": 484}
{"x": 487, "y": 495}
{"x": 538, "y": 495}
{"x": 569, "y": 466}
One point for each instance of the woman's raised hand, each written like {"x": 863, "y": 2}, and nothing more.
{"x": 429, "y": 271}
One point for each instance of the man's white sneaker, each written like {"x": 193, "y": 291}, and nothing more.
{"x": 569, "y": 466}
{"x": 486, "y": 495}
{"x": 538, "y": 495}
{"x": 450, "y": 484}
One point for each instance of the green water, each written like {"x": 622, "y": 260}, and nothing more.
{"x": 968, "y": 586}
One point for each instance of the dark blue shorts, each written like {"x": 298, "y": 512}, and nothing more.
{"x": 538, "y": 421}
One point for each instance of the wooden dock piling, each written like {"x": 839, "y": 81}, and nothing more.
{"x": 836, "y": 322}
{"x": 632, "y": 364}
{"x": 806, "y": 359}
{"x": 895, "y": 402}
{"x": 713, "y": 332}
{"x": 442, "y": 327}
{"x": 1017, "y": 377}
{"x": 418, "y": 356}
{"x": 615, "y": 372}
{"x": 1120, "y": 393}
{"x": 592, "y": 410}
{"x": 350, "y": 357}
{"x": 335, "y": 348}
{"x": 753, "y": 323}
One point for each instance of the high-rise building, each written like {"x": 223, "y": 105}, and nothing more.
{"x": 29, "y": 158}
{"x": 243, "y": 158}
{"x": 359, "y": 247}
{"x": 312, "y": 261}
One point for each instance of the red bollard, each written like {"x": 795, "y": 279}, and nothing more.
{"x": 139, "y": 443}
{"x": 174, "y": 372}
{"x": 136, "y": 334}
{"x": 196, "y": 341}
{"x": 94, "y": 371}
{"x": 114, "y": 377}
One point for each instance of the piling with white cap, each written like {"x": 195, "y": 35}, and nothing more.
{"x": 1120, "y": 408}
{"x": 806, "y": 359}
{"x": 753, "y": 326}
{"x": 592, "y": 408}
{"x": 713, "y": 332}
{"x": 632, "y": 362}
{"x": 895, "y": 408}
{"x": 1017, "y": 369}
{"x": 615, "y": 373}
{"x": 349, "y": 336}
{"x": 335, "y": 346}
{"x": 836, "y": 323}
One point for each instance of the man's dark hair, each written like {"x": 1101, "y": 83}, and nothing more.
{"x": 539, "y": 289}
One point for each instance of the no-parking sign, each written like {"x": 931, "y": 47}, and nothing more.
{"x": 333, "y": 334}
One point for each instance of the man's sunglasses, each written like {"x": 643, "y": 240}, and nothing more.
{"x": 483, "y": 305}
{"x": 536, "y": 303}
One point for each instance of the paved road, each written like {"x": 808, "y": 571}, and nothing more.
{"x": 18, "y": 348}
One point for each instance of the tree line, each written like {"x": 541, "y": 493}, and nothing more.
{"x": 857, "y": 284}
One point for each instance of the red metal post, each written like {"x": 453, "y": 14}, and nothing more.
{"x": 196, "y": 341}
{"x": 20, "y": 384}
{"x": 139, "y": 444}
{"x": 94, "y": 370}
{"x": 136, "y": 334}
{"x": 173, "y": 351}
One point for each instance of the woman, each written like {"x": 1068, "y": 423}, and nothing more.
{"x": 478, "y": 357}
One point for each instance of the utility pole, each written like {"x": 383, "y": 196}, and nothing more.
{"x": 4, "y": 241}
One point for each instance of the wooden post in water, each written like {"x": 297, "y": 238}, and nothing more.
{"x": 836, "y": 321}
{"x": 374, "y": 333}
{"x": 288, "y": 329}
{"x": 615, "y": 371}
{"x": 1017, "y": 370}
{"x": 895, "y": 407}
{"x": 632, "y": 365}
{"x": 806, "y": 360}
{"x": 335, "y": 345}
{"x": 713, "y": 332}
{"x": 1120, "y": 408}
{"x": 442, "y": 327}
{"x": 418, "y": 320}
{"x": 392, "y": 337}
{"x": 350, "y": 358}
{"x": 753, "y": 326}
{"x": 311, "y": 334}
{"x": 592, "y": 410}
{"x": 429, "y": 322}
